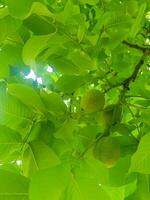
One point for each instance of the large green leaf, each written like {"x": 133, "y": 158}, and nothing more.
{"x": 116, "y": 26}
{"x": 137, "y": 23}
{"x": 14, "y": 114}
{"x": 9, "y": 55}
{"x": 66, "y": 131}
{"x": 142, "y": 191}
{"x": 29, "y": 96}
{"x": 19, "y": 9}
{"x": 64, "y": 65}
{"x": 143, "y": 187}
{"x": 118, "y": 174}
{"x": 13, "y": 186}
{"x": 82, "y": 60}
{"x": 41, "y": 9}
{"x": 10, "y": 142}
{"x": 53, "y": 102}
{"x": 115, "y": 193}
{"x": 70, "y": 83}
{"x": 141, "y": 159}
{"x": 33, "y": 47}
{"x": 34, "y": 21}
{"x": 85, "y": 183}
{"x": 38, "y": 156}
{"x": 49, "y": 183}
{"x": 69, "y": 11}
{"x": 8, "y": 26}
{"x": 145, "y": 116}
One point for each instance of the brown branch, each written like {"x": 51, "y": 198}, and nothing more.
{"x": 133, "y": 76}
{"x": 134, "y": 46}
{"x": 137, "y": 68}
{"x": 112, "y": 87}
{"x": 127, "y": 81}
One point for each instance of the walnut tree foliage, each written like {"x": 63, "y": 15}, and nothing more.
{"x": 80, "y": 128}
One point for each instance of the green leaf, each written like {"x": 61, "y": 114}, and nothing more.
{"x": 19, "y": 9}
{"x": 69, "y": 11}
{"x": 27, "y": 95}
{"x": 34, "y": 22}
{"x": 42, "y": 130}
{"x": 86, "y": 181}
{"x": 81, "y": 60}
{"x": 13, "y": 186}
{"x": 42, "y": 10}
{"x": 8, "y": 26}
{"x": 53, "y": 102}
{"x": 34, "y": 46}
{"x": 70, "y": 83}
{"x": 143, "y": 189}
{"x": 115, "y": 192}
{"x": 118, "y": 174}
{"x": 63, "y": 65}
{"x": 140, "y": 161}
{"x": 145, "y": 116}
{"x": 116, "y": 19}
{"x": 82, "y": 28}
{"x": 137, "y": 23}
{"x": 14, "y": 114}
{"x": 66, "y": 131}
{"x": 9, "y": 55}
{"x": 86, "y": 135}
{"x": 10, "y": 142}
{"x": 60, "y": 147}
{"x": 132, "y": 7}
{"x": 90, "y": 2}
{"x": 11, "y": 167}
{"x": 38, "y": 156}
{"x": 3, "y": 11}
{"x": 49, "y": 183}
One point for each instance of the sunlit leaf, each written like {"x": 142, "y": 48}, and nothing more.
{"x": 13, "y": 186}
{"x": 140, "y": 160}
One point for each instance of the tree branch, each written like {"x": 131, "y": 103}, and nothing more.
{"x": 137, "y": 68}
{"x": 134, "y": 46}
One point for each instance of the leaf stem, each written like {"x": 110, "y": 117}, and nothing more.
{"x": 90, "y": 146}
{"x": 137, "y": 127}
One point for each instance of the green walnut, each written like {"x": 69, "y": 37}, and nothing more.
{"x": 111, "y": 115}
{"x": 107, "y": 150}
{"x": 92, "y": 101}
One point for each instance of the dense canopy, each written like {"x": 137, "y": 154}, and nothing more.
{"x": 74, "y": 99}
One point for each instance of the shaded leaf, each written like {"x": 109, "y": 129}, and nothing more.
{"x": 38, "y": 156}
{"x": 27, "y": 95}
{"x": 141, "y": 159}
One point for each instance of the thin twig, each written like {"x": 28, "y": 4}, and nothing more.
{"x": 134, "y": 46}
{"x": 136, "y": 106}
{"x": 130, "y": 96}
{"x": 25, "y": 139}
{"x": 90, "y": 146}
